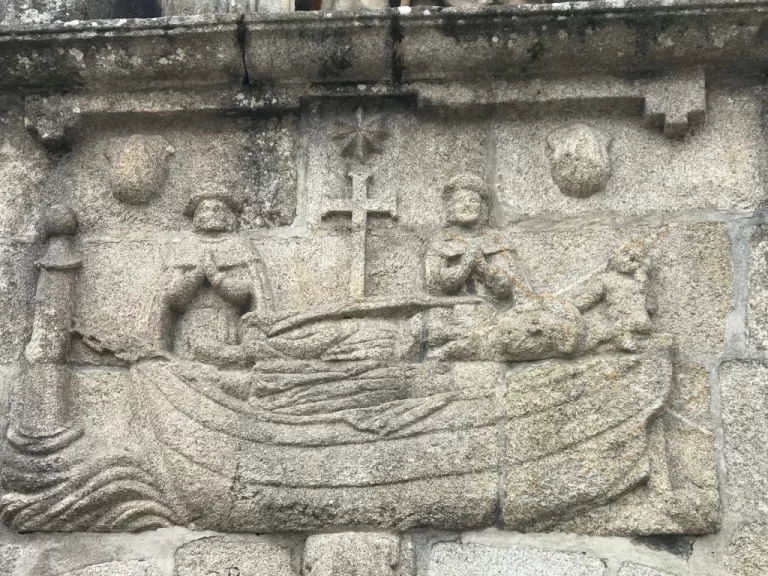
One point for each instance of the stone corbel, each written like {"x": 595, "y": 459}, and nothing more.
{"x": 51, "y": 122}
{"x": 674, "y": 102}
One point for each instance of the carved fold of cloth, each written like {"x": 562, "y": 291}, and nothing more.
{"x": 369, "y": 396}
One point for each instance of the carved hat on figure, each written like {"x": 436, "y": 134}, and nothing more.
{"x": 214, "y": 209}
{"x": 466, "y": 198}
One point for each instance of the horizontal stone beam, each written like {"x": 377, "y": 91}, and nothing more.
{"x": 388, "y": 46}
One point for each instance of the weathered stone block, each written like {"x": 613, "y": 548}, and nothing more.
{"x": 17, "y": 291}
{"x": 475, "y": 560}
{"x": 8, "y": 375}
{"x": 10, "y": 558}
{"x": 411, "y": 154}
{"x": 119, "y": 568}
{"x": 23, "y": 169}
{"x": 757, "y": 304}
{"x": 747, "y": 554}
{"x": 352, "y": 553}
{"x": 229, "y": 557}
{"x": 578, "y": 433}
{"x": 690, "y": 288}
{"x": 744, "y": 387}
{"x": 253, "y": 159}
{"x": 719, "y": 168}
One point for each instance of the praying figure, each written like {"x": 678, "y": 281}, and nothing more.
{"x": 468, "y": 257}
{"x": 502, "y": 319}
{"x": 214, "y": 278}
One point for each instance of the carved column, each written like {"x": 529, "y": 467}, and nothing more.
{"x": 40, "y": 416}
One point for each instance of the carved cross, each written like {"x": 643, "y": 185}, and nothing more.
{"x": 358, "y": 208}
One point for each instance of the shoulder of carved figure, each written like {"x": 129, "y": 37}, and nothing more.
{"x": 495, "y": 242}
{"x": 185, "y": 254}
{"x": 235, "y": 251}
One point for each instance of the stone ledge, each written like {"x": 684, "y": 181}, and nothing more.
{"x": 390, "y": 46}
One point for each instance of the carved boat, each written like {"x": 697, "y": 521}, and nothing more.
{"x": 392, "y": 456}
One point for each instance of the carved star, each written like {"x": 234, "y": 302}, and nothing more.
{"x": 362, "y": 136}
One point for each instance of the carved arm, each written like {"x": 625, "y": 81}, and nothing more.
{"x": 182, "y": 285}
{"x": 447, "y": 278}
{"x": 591, "y": 294}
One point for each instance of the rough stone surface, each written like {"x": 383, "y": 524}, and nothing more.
{"x": 579, "y": 160}
{"x": 124, "y": 568}
{"x": 357, "y": 553}
{"x": 745, "y": 393}
{"x": 757, "y": 321}
{"x": 471, "y": 560}
{"x": 225, "y": 557}
{"x": 10, "y": 557}
{"x": 632, "y": 569}
{"x": 747, "y": 554}
{"x": 139, "y": 169}
{"x": 717, "y": 169}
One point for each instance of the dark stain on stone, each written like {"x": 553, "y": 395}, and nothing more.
{"x": 397, "y": 36}
{"x": 681, "y": 546}
{"x": 337, "y": 56}
{"x": 536, "y": 50}
{"x": 241, "y": 36}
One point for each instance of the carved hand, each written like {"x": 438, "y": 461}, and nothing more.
{"x": 211, "y": 270}
{"x": 183, "y": 284}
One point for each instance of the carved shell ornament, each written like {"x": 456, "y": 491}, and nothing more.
{"x": 140, "y": 168}
{"x": 579, "y": 160}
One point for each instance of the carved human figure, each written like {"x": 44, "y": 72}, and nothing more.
{"x": 468, "y": 257}
{"x": 213, "y": 280}
{"x": 505, "y": 321}
{"x": 622, "y": 288}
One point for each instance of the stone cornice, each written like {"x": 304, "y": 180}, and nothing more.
{"x": 389, "y": 46}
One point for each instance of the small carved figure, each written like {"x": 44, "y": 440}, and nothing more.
{"x": 511, "y": 323}
{"x": 214, "y": 280}
{"x": 467, "y": 257}
{"x": 622, "y": 288}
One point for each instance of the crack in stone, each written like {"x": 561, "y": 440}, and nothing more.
{"x": 241, "y": 35}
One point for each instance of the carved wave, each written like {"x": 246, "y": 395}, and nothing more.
{"x": 113, "y": 493}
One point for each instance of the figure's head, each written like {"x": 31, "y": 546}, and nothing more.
{"x": 213, "y": 211}
{"x": 466, "y": 200}
{"x": 628, "y": 258}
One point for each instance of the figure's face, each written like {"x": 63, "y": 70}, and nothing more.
{"x": 626, "y": 261}
{"x": 466, "y": 208}
{"x": 213, "y": 215}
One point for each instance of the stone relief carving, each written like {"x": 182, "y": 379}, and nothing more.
{"x": 361, "y": 137}
{"x": 579, "y": 160}
{"x": 380, "y": 411}
{"x": 139, "y": 169}
{"x": 54, "y": 478}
